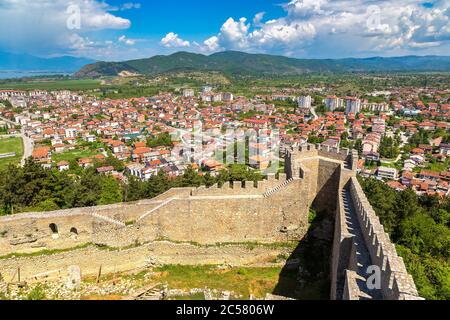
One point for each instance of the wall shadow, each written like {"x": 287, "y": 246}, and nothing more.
{"x": 306, "y": 273}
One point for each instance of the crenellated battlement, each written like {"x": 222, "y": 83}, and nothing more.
{"x": 396, "y": 283}
{"x": 242, "y": 187}
{"x": 309, "y": 149}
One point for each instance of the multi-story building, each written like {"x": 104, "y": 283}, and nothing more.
{"x": 375, "y": 107}
{"x": 387, "y": 173}
{"x": 352, "y": 105}
{"x": 227, "y": 97}
{"x": 304, "y": 102}
{"x": 332, "y": 103}
{"x": 188, "y": 93}
{"x": 206, "y": 89}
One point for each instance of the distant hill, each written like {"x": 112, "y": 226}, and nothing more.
{"x": 233, "y": 62}
{"x": 25, "y": 62}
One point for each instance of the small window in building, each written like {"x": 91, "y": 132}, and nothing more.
{"x": 74, "y": 231}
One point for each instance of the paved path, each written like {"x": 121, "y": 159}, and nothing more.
{"x": 362, "y": 253}
{"x": 313, "y": 112}
{"x": 28, "y": 146}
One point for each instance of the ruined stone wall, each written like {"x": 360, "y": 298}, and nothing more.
{"x": 49, "y": 267}
{"x": 232, "y": 213}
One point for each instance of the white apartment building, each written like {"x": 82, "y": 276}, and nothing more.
{"x": 227, "y": 96}
{"x": 387, "y": 173}
{"x": 332, "y": 103}
{"x": 304, "y": 102}
{"x": 353, "y": 105}
{"x": 71, "y": 132}
{"x": 188, "y": 93}
{"x": 380, "y": 107}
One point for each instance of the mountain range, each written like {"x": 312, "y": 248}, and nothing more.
{"x": 26, "y": 62}
{"x": 234, "y": 62}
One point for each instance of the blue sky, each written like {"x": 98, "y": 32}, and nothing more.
{"x": 120, "y": 30}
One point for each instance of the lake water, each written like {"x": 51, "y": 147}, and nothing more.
{"x": 10, "y": 74}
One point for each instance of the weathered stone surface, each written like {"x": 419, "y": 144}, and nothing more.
{"x": 15, "y": 242}
{"x": 73, "y": 278}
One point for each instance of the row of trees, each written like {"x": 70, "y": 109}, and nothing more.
{"x": 33, "y": 188}
{"x": 419, "y": 225}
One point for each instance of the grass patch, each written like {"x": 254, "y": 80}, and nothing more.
{"x": 8, "y": 145}
{"x": 45, "y": 252}
{"x": 248, "y": 245}
{"x": 438, "y": 166}
{"x": 73, "y": 155}
{"x": 243, "y": 281}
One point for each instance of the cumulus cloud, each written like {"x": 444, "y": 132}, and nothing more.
{"x": 172, "y": 40}
{"x": 127, "y": 41}
{"x": 211, "y": 44}
{"x": 258, "y": 19}
{"x": 341, "y": 28}
{"x": 40, "y": 26}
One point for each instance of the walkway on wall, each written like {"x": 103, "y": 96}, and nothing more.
{"x": 362, "y": 257}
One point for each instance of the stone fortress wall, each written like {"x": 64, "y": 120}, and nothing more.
{"x": 274, "y": 210}
{"x": 396, "y": 283}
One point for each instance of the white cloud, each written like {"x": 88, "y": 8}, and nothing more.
{"x": 130, "y": 5}
{"x": 341, "y": 28}
{"x": 257, "y": 20}
{"x": 172, "y": 40}
{"x": 127, "y": 41}
{"x": 211, "y": 44}
{"x": 40, "y": 26}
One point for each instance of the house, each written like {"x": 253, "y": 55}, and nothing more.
{"x": 444, "y": 148}
{"x": 407, "y": 178}
{"x": 106, "y": 170}
{"x": 60, "y": 147}
{"x": 117, "y": 146}
{"x": 63, "y": 165}
{"x": 141, "y": 171}
{"x": 90, "y": 138}
{"x": 429, "y": 175}
{"x": 372, "y": 156}
{"x": 173, "y": 170}
{"x": 139, "y": 153}
{"x": 409, "y": 165}
{"x": 212, "y": 165}
{"x": 85, "y": 162}
{"x": 396, "y": 185}
{"x": 41, "y": 154}
{"x": 256, "y": 123}
{"x": 387, "y": 173}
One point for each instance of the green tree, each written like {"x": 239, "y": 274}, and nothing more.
{"x": 110, "y": 191}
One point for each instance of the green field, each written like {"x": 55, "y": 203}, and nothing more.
{"x": 11, "y": 145}
{"x": 73, "y": 155}
{"x": 50, "y": 84}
